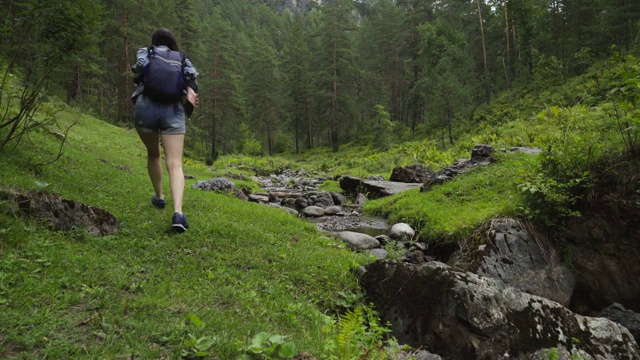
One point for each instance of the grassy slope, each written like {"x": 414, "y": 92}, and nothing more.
{"x": 242, "y": 268}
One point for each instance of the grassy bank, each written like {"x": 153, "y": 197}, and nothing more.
{"x": 145, "y": 292}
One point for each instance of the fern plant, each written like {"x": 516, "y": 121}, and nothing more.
{"x": 359, "y": 336}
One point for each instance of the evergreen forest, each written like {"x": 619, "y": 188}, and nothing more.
{"x": 282, "y": 76}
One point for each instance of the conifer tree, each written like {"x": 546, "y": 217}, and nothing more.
{"x": 336, "y": 68}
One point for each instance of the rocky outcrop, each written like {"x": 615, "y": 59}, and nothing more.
{"x": 605, "y": 252}
{"x": 460, "y": 315}
{"x": 61, "y": 214}
{"x": 627, "y": 318}
{"x": 415, "y": 173}
{"x": 374, "y": 188}
{"x": 507, "y": 251}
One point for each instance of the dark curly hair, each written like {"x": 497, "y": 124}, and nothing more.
{"x": 164, "y": 37}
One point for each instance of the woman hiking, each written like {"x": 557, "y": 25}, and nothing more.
{"x": 167, "y": 84}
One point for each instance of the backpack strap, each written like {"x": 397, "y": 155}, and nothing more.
{"x": 151, "y": 50}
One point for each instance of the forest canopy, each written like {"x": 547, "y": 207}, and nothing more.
{"x": 284, "y": 75}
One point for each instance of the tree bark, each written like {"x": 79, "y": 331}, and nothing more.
{"x": 508, "y": 37}
{"x": 487, "y": 87}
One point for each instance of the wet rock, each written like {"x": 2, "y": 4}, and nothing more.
{"x": 358, "y": 241}
{"x": 460, "y": 315}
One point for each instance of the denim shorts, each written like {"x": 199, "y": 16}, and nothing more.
{"x": 152, "y": 116}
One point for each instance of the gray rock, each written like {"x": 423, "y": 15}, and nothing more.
{"x": 415, "y": 173}
{"x": 332, "y": 210}
{"x": 401, "y": 231}
{"x": 261, "y": 199}
{"x": 627, "y": 318}
{"x": 220, "y": 185}
{"x": 376, "y": 177}
{"x": 506, "y": 251}
{"x": 360, "y": 199}
{"x": 339, "y": 199}
{"x": 313, "y": 211}
{"x": 481, "y": 151}
{"x": 217, "y": 184}
{"x": 466, "y": 316}
{"x": 379, "y": 253}
{"x": 359, "y": 241}
{"x": 374, "y": 188}
{"x": 287, "y": 209}
{"x": 321, "y": 199}
{"x": 384, "y": 239}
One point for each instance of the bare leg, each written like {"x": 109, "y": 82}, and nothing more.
{"x": 173, "y": 145}
{"x": 151, "y": 141}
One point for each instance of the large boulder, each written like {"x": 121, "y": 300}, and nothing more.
{"x": 507, "y": 251}
{"x": 460, "y": 315}
{"x": 627, "y": 318}
{"x": 374, "y": 188}
{"x": 605, "y": 253}
{"x": 359, "y": 241}
{"x": 415, "y": 173}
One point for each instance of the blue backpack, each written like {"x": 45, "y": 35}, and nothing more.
{"x": 162, "y": 75}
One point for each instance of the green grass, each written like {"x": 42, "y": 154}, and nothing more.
{"x": 453, "y": 210}
{"x": 242, "y": 268}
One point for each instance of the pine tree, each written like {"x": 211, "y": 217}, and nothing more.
{"x": 336, "y": 67}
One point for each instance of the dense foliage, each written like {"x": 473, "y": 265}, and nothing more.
{"x": 280, "y": 75}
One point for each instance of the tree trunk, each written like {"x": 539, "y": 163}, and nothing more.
{"x": 214, "y": 129}
{"x": 333, "y": 120}
{"x": 127, "y": 66}
{"x": 487, "y": 87}
{"x": 508, "y": 34}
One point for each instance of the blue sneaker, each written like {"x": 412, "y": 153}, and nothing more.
{"x": 179, "y": 223}
{"x": 158, "y": 203}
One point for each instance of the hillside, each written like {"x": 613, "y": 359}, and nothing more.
{"x": 241, "y": 269}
